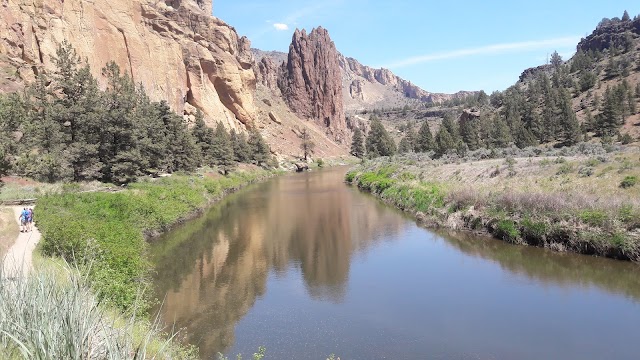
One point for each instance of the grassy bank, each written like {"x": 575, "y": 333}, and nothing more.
{"x": 9, "y": 230}
{"x": 104, "y": 232}
{"x": 53, "y": 314}
{"x": 582, "y": 199}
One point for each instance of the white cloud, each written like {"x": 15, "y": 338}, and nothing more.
{"x": 281, "y": 27}
{"x": 487, "y": 50}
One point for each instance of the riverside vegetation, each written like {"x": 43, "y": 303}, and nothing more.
{"x": 97, "y": 305}
{"x": 582, "y": 198}
{"x": 64, "y": 129}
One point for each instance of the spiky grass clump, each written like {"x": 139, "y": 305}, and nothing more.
{"x": 54, "y": 315}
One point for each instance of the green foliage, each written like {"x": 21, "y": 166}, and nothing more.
{"x": 566, "y": 168}
{"x": 306, "y": 145}
{"x": 73, "y": 131}
{"x": 357, "y": 144}
{"x": 409, "y": 142}
{"x": 628, "y": 181}
{"x": 104, "y": 232}
{"x": 55, "y": 315}
{"x": 350, "y": 176}
{"x": 593, "y": 217}
{"x": 507, "y": 230}
{"x": 533, "y": 231}
{"x": 424, "y": 140}
{"x": 260, "y": 152}
{"x": 379, "y": 142}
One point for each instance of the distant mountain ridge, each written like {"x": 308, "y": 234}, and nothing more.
{"x": 363, "y": 87}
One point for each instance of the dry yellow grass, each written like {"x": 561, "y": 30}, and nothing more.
{"x": 9, "y": 230}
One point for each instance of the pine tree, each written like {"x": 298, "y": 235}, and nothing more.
{"x": 408, "y": 142}
{"x": 444, "y": 141}
{"x": 625, "y": 16}
{"x": 609, "y": 116}
{"x": 501, "y": 134}
{"x": 306, "y": 145}
{"x": 241, "y": 149}
{"x": 259, "y": 148}
{"x": 569, "y": 125}
{"x": 379, "y": 142}
{"x": 357, "y": 144}
{"x": 424, "y": 140}
{"x": 556, "y": 60}
{"x": 470, "y": 133}
{"x": 203, "y": 136}
{"x": 221, "y": 149}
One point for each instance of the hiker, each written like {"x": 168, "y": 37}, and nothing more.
{"x": 30, "y": 219}
{"x": 24, "y": 220}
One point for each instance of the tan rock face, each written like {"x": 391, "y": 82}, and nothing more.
{"x": 311, "y": 81}
{"x": 175, "y": 48}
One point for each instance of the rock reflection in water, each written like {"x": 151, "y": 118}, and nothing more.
{"x": 212, "y": 270}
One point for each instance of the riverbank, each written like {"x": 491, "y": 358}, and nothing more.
{"x": 106, "y": 232}
{"x": 582, "y": 199}
{"x": 103, "y": 236}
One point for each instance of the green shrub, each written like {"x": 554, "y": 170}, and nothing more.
{"x": 585, "y": 171}
{"x": 350, "y": 176}
{"x": 628, "y": 181}
{"x": 593, "y": 217}
{"x": 532, "y": 230}
{"x": 506, "y": 230}
{"x": 565, "y": 168}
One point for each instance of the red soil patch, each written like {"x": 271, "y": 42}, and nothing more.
{"x": 18, "y": 181}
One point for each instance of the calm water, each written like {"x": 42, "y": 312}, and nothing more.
{"x": 307, "y": 266}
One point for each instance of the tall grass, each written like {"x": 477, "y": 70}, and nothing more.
{"x": 54, "y": 315}
{"x": 538, "y": 208}
{"x": 108, "y": 229}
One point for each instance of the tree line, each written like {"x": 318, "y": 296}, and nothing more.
{"x": 65, "y": 128}
{"x": 536, "y": 112}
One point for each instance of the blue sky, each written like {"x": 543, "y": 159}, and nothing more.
{"x": 442, "y": 46}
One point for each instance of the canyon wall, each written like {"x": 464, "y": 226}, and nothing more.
{"x": 175, "y": 48}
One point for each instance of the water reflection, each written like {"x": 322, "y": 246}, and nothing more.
{"x": 213, "y": 269}
{"x": 552, "y": 268}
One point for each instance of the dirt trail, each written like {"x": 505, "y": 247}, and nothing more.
{"x": 19, "y": 257}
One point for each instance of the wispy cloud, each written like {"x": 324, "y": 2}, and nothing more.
{"x": 281, "y": 26}
{"x": 315, "y": 7}
{"x": 494, "y": 49}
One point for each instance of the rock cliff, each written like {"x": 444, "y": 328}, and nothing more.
{"x": 175, "y": 48}
{"x": 370, "y": 87}
{"x": 311, "y": 84}
{"x": 611, "y": 33}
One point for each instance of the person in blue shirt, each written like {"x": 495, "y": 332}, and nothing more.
{"x": 24, "y": 220}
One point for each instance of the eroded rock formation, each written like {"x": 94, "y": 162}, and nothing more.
{"x": 311, "y": 82}
{"x": 175, "y": 48}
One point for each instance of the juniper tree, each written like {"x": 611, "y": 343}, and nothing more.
{"x": 357, "y": 144}
{"x": 444, "y": 141}
{"x": 424, "y": 140}
{"x": 408, "y": 142}
{"x": 379, "y": 142}
{"x": 221, "y": 148}
{"x": 241, "y": 149}
{"x": 306, "y": 145}
{"x": 259, "y": 148}
{"x": 203, "y": 136}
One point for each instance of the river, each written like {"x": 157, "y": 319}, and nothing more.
{"x": 308, "y": 266}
